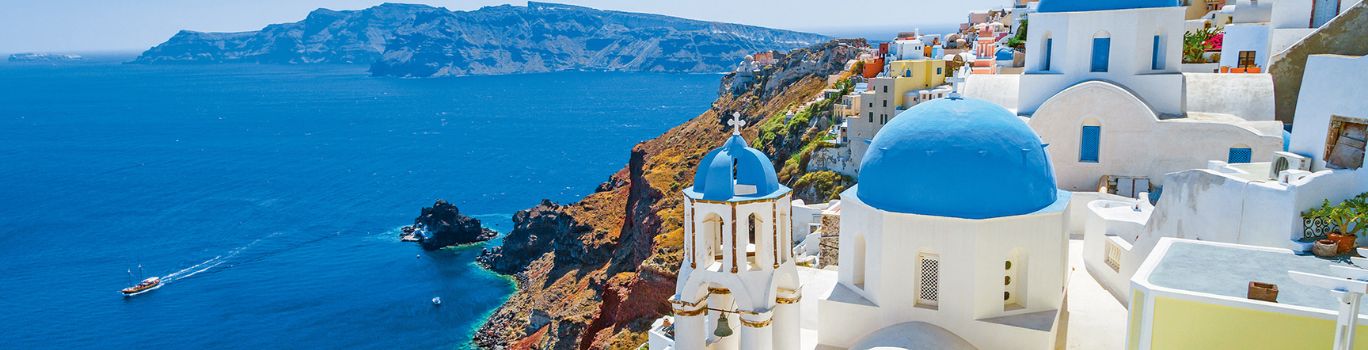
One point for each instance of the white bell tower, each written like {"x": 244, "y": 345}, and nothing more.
{"x": 738, "y": 274}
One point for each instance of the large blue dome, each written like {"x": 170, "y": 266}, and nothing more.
{"x": 957, "y": 157}
{"x": 1100, "y": 5}
{"x": 735, "y": 172}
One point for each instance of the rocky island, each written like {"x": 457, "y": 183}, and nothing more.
{"x": 442, "y": 225}
{"x": 422, "y": 41}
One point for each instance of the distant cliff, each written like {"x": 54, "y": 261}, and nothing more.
{"x": 594, "y": 274}
{"x": 422, "y": 41}
{"x": 43, "y": 57}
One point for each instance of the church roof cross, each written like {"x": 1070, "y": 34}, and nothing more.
{"x": 956, "y": 80}
{"x": 736, "y": 122}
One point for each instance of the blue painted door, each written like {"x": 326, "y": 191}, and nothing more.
{"x": 1087, "y": 149}
{"x": 1323, "y": 11}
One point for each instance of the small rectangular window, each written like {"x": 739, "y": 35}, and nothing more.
{"x": 1157, "y": 57}
{"x": 885, "y": 103}
{"x": 885, "y": 90}
{"x": 1240, "y": 155}
{"x": 1088, "y": 145}
{"x": 1246, "y": 59}
{"x": 1101, "y": 54}
{"x": 1049, "y": 46}
{"x": 929, "y": 290}
{"x": 871, "y": 116}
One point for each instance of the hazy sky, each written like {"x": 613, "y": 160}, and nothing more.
{"x": 125, "y": 25}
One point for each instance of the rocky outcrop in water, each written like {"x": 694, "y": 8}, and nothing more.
{"x": 442, "y": 225}
{"x": 423, "y": 41}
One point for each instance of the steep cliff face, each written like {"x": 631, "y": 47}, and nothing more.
{"x": 593, "y": 274}
{"x": 422, "y": 41}
{"x": 325, "y": 36}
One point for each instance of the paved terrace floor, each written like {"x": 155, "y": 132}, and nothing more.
{"x": 1095, "y": 320}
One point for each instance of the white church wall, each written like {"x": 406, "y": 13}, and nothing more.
{"x": 971, "y": 256}
{"x": 1131, "y": 32}
{"x": 1000, "y": 89}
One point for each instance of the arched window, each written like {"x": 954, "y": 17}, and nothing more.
{"x": 1101, "y": 51}
{"x": 753, "y": 234}
{"x": 712, "y": 240}
{"x": 1014, "y": 280}
{"x": 1090, "y": 142}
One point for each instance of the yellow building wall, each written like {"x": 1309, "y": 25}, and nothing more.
{"x": 1137, "y": 317}
{"x": 1184, "y": 324}
{"x": 925, "y": 75}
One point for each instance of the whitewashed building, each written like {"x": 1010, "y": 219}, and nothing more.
{"x": 939, "y": 250}
{"x": 1103, "y": 88}
{"x": 1262, "y": 29}
{"x": 1257, "y": 204}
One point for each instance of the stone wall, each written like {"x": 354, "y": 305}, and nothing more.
{"x": 837, "y": 159}
{"x": 831, "y": 240}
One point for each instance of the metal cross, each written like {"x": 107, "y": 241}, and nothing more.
{"x": 736, "y": 123}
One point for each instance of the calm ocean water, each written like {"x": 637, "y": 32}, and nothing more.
{"x": 272, "y": 195}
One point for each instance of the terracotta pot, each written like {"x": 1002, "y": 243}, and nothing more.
{"x": 1325, "y": 248}
{"x": 1346, "y": 243}
{"x": 1225, "y": 69}
{"x": 1263, "y": 291}
{"x": 1237, "y": 70}
{"x": 1254, "y": 70}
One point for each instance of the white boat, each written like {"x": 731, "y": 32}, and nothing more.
{"x": 437, "y": 301}
{"x": 147, "y": 285}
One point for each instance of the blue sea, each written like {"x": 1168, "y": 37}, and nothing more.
{"x": 269, "y": 197}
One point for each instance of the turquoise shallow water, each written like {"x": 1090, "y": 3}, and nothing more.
{"x": 272, "y": 195}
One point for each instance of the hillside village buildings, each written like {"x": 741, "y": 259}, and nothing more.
{"x": 1102, "y": 198}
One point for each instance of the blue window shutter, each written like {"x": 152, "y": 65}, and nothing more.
{"x": 1087, "y": 150}
{"x": 1154, "y": 57}
{"x": 1049, "y": 47}
{"x": 1240, "y": 155}
{"x": 1101, "y": 53}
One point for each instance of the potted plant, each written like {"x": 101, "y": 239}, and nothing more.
{"x": 1346, "y": 219}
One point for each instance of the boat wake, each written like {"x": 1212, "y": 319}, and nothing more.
{"x": 216, "y": 261}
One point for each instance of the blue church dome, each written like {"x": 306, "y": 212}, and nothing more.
{"x": 1100, "y": 5}
{"x": 957, "y": 157}
{"x": 1004, "y": 54}
{"x": 729, "y": 173}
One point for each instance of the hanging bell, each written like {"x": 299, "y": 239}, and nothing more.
{"x": 723, "y": 329}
